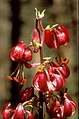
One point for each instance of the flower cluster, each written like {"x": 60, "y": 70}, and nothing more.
{"x": 49, "y": 80}
{"x": 53, "y": 78}
{"x": 20, "y": 112}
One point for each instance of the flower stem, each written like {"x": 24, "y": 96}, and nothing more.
{"x": 40, "y": 93}
{"x": 40, "y": 115}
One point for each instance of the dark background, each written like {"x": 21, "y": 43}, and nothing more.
{"x": 57, "y": 11}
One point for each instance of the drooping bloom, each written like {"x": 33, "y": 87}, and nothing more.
{"x": 55, "y": 82}
{"x": 69, "y": 106}
{"x": 62, "y": 108}
{"x": 18, "y": 113}
{"x": 20, "y": 53}
{"x": 61, "y": 67}
{"x": 56, "y": 37}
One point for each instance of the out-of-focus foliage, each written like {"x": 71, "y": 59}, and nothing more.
{"x": 57, "y": 11}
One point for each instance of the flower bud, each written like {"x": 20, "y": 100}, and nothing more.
{"x": 27, "y": 94}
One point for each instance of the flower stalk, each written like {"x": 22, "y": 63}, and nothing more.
{"x": 49, "y": 80}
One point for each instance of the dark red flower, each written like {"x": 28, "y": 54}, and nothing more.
{"x": 56, "y": 37}
{"x": 21, "y": 53}
{"x": 6, "y": 111}
{"x": 62, "y": 108}
{"x": 54, "y": 83}
{"x": 27, "y": 94}
{"x": 69, "y": 106}
{"x": 18, "y": 113}
{"x": 62, "y": 68}
{"x": 16, "y": 53}
{"x": 56, "y": 111}
{"x": 40, "y": 81}
{"x": 62, "y": 35}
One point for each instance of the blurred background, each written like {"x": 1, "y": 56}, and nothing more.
{"x": 17, "y": 18}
